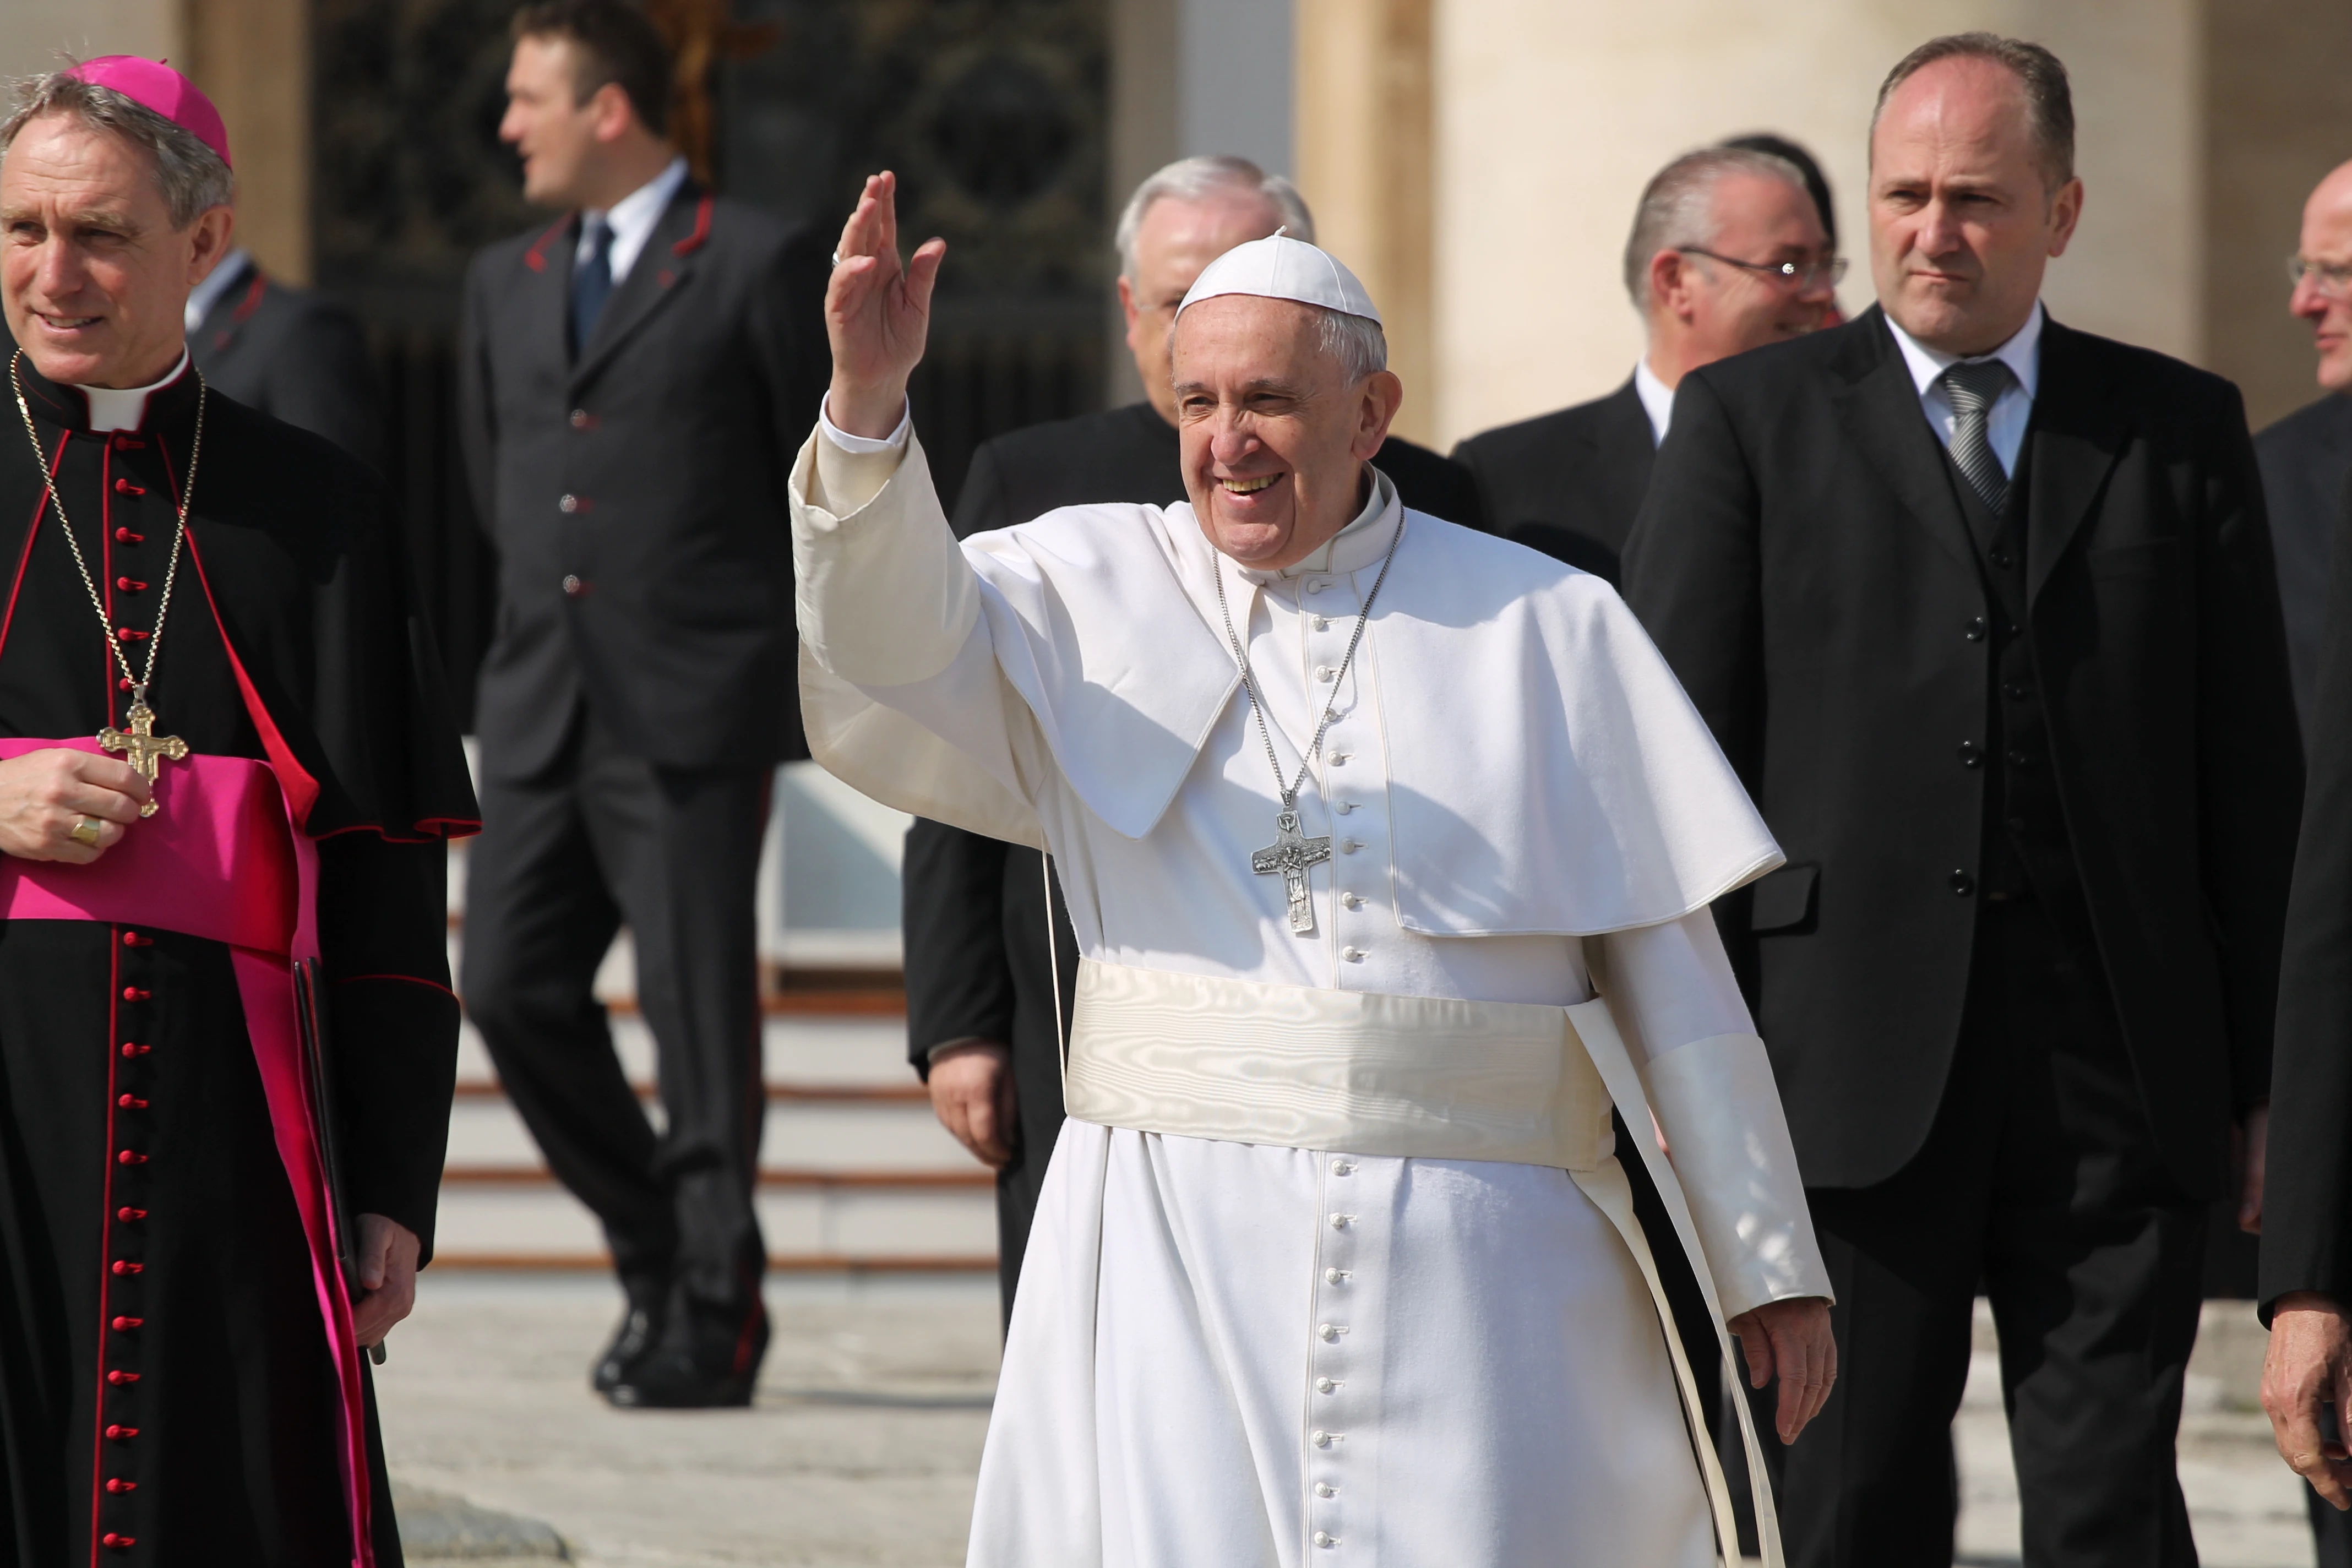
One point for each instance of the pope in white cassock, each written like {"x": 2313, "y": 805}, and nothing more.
{"x": 1389, "y": 846}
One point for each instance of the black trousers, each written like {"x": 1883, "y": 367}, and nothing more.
{"x": 2040, "y": 1185}
{"x": 601, "y": 837}
{"x": 1037, "y": 1053}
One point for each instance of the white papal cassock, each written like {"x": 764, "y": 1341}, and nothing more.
{"x": 1224, "y": 1353}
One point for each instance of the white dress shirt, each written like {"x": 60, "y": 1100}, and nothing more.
{"x": 1657, "y": 399}
{"x": 206, "y": 294}
{"x": 2005, "y": 428}
{"x": 631, "y": 219}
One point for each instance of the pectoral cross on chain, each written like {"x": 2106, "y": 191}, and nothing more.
{"x": 145, "y": 751}
{"x": 1288, "y": 857}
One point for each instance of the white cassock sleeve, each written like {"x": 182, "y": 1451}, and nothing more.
{"x": 1672, "y": 993}
{"x": 889, "y": 607}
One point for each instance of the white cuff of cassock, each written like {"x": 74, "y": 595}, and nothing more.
{"x": 864, "y": 445}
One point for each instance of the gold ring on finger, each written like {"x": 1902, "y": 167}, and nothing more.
{"x": 85, "y": 832}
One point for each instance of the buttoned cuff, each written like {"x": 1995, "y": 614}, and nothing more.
{"x": 864, "y": 445}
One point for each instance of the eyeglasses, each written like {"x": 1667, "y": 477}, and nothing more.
{"x": 1803, "y": 274}
{"x": 2332, "y": 279}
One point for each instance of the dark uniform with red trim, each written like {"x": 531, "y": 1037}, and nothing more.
{"x": 166, "y": 1392}
{"x": 296, "y": 355}
{"x": 638, "y": 696}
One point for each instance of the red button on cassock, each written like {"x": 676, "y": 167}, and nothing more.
{"x": 122, "y": 1379}
{"x": 131, "y": 1217}
{"x": 132, "y": 939}
{"x": 133, "y": 993}
{"x": 120, "y": 1542}
{"x": 125, "y": 1325}
{"x": 121, "y": 1433}
{"x": 130, "y": 634}
{"x": 118, "y": 1485}
{"x": 123, "y": 1267}
{"x": 131, "y": 584}
{"x": 124, "y": 536}
{"x": 125, "y": 488}
{"x": 130, "y": 1102}
{"x": 129, "y": 1049}
{"x": 131, "y": 1157}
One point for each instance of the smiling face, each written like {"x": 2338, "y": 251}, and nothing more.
{"x": 93, "y": 277}
{"x": 2326, "y": 242}
{"x": 1274, "y": 439}
{"x": 1963, "y": 222}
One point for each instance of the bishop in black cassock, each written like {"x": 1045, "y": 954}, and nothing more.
{"x": 179, "y": 1380}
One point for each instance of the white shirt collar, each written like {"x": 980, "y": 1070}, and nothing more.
{"x": 2022, "y": 354}
{"x": 206, "y": 294}
{"x": 1657, "y": 399}
{"x": 633, "y": 217}
{"x": 125, "y": 408}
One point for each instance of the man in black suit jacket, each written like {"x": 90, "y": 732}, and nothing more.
{"x": 2307, "y": 456}
{"x": 1729, "y": 253}
{"x": 980, "y": 995}
{"x": 288, "y": 351}
{"x": 1983, "y": 610}
{"x": 635, "y": 379}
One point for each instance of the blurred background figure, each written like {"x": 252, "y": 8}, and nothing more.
{"x": 288, "y": 351}
{"x": 634, "y": 377}
{"x": 1816, "y": 182}
{"x": 979, "y": 995}
{"x": 2307, "y": 456}
{"x": 1729, "y": 251}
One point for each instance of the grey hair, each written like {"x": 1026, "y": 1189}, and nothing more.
{"x": 1677, "y": 206}
{"x": 192, "y": 176}
{"x": 1357, "y": 342}
{"x": 1190, "y": 179}
{"x": 2049, "y": 99}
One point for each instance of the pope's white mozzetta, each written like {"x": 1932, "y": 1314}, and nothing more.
{"x": 1332, "y": 1263}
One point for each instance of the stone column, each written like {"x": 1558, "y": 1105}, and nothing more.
{"x": 252, "y": 58}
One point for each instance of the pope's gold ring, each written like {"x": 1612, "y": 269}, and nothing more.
{"x": 85, "y": 832}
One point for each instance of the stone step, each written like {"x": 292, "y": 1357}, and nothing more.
{"x": 827, "y": 1130}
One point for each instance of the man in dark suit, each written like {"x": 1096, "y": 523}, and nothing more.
{"x": 1983, "y": 610}
{"x": 635, "y": 378}
{"x": 288, "y": 352}
{"x": 2307, "y": 456}
{"x": 1728, "y": 253}
{"x": 980, "y": 996}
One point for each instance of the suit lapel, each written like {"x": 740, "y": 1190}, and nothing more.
{"x": 543, "y": 294}
{"x": 1880, "y": 408}
{"x": 661, "y": 271}
{"x": 2077, "y": 434}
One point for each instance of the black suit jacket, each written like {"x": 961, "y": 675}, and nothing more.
{"x": 2307, "y": 1202}
{"x": 1569, "y": 483}
{"x": 2306, "y": 459}
{"x": 296, "y": 354}
{"x": 1803, "y": 562}
{"x": 637, "y": 496}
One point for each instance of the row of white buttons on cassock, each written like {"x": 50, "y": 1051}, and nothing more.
{"x": 1327, "y": 646}
{"x": 1328, "y": 1359}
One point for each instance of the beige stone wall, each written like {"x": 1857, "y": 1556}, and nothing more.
{"x": 1551, "y": 114}
{"x": 32, "y": 32}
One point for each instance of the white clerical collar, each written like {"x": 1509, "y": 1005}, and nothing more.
{"x": 125, "y": 408}
{"x": 1359, "y": 545}
{"x": 2022, "y": 354}
{"x": 633, "y": 217}
{"x": 1657, "y": 399}
{"x": 217, "y": 282}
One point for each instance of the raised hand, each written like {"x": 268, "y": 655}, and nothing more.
{"x": 876, "y": 313}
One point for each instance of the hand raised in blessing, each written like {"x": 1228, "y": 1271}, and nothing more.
{"x": 876, "y": 312}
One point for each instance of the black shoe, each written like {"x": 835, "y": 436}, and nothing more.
{"x": 708, "y": 1360}
{"x": 641, "y": 1328}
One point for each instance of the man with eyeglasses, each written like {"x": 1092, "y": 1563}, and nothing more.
{"x": 1983, "y": 611}
{"x": 1728, "y": 252}
{"x": 2307, "y": 457}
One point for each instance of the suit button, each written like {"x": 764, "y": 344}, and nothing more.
{"x": 2015, "y": 824}
{"x": 2015, "y": 692}
{"x": 569, "y": 504}
{"x": 1974, "y": 631}
{"x": 580, "y": 419}
{"x": 2000, "y": 558}
{"x": 2018, "y": 759}
{"x": 572, "y": 586}
{"x": 1971, "y": 754}
{"x": 1962, "y": 883}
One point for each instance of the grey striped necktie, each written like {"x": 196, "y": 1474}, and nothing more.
{"x": 1974, "y": 387}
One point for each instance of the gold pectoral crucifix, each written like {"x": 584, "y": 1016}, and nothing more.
{"x": 1288, "y": 857}
{"x": 143, "y": 749}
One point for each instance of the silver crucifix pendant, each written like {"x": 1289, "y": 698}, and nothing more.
{"x": 1288, "y": 857}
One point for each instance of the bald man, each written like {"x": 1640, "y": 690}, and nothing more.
{"x": 2307, "y": 456}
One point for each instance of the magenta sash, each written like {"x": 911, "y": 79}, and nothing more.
{"x": 224, "y": 860}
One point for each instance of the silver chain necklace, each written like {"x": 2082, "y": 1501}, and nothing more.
{"x": 1292, "y": 853}
{"x": 140, "y": 745}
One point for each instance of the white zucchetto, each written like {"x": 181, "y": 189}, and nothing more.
{"x": 1281, "y": 267}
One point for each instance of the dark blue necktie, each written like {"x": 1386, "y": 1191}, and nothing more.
{"x": 592, "y": 284}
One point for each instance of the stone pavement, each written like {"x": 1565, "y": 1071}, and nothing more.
{"x": 863, "y": 1446}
